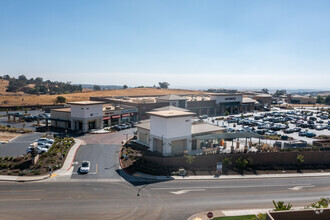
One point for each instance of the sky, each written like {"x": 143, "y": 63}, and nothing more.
{"x": 187, "y": 43}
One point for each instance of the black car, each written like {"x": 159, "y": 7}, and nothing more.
{"x": 288, "y": 131}
{"x": 297, "y": 129}
{"x": 312, "y": 118}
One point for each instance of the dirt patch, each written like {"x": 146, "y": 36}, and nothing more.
{"x": 6, "y": 136}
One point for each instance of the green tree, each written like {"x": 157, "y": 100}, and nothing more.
{"x": 320, "y": 99}
{"x": 60, "y": 99}
{"x": 327, "y": 100}
{"x": 125, "y": 86}
{"x": 227, "y": 113}
{"x": 164, "y": 85}
{"x": 265, "y": 91}
{"x": 96, "y": 88}
{"x": 300, "y": 158}
{"x": 280, "y": 206}
{"x": 189, "y": 159}
{"x": 226, "y": 163}
{"x": 280, "y": 92}
{"x": 241, "y": 163}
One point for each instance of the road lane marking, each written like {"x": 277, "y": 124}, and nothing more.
{"x": 186, "y": 191}
{"x": 89, "y": 173}
{"x": 296, "y": 188}
{"x": 225, "y": 187}
{"x": 16, "y": 200}
{"x": 96, "y": 169}
{"x": 23, "y": 190}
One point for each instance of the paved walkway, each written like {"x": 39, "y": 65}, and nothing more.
{"x": 66, "y": 169}
{"x": 221, "y": 213}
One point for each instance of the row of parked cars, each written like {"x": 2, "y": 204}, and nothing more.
{"x": 121, "y": 126}
{"x": 43, "y": 145}
{"x": 270, "y": 122}
{"x": 31, "y": 118}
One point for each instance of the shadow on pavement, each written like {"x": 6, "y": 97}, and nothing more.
{"x": 138, "y": 181}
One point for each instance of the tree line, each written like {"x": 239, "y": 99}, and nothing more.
{"x": 323, "y": 100}
{"x": 22, "y": 84}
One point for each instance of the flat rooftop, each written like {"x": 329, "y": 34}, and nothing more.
{"x": 196, "y": 129}
{"x": 225, "y": 94}
{"x": 86, "y": 103}
{"x": 62, "y": 109}
{"x": 171, "y": 113}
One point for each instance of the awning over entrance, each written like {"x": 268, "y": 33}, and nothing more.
{"x": 115, "y": 116}
{"x": 228, "y": 136}
{"x": 125, "y": 115}
{"x": 106, "y": 118}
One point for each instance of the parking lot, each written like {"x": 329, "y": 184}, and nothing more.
{"x": 263, "y": 124}
{"x": 102, "y": 152}
{"x": 19, "y": 145}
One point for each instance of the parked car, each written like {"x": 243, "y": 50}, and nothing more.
{"x": 40, "y": 150}
{"x": 45, "y": 140}
{"x": 310, "y": 134}
{"x": 296, "y": 129}
{"x": 261, "y": 131}
{"x": 270, "y": 132}
{"x": 203, "y": 117}
{"x": 302, "y": 133}
{"x": 324, "y": 117}
{"x": 230, "y": 130}
{"x": 42, "y": 129}
{"x": 319, "y": 127}
{"x": 288, "y": 131}
{"x": 312, "y": 118}
{"x": 85, "y": 167}
{"x": 44, "y": 145}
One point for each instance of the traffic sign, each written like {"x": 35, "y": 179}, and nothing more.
{"x": 210, "y": 215}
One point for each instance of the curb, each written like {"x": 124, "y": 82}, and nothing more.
{"x": 27, "y": 180}
{"x": 41, "y": 177}
{"x": 120, "y": 163}
{"x": 74, "y": 156}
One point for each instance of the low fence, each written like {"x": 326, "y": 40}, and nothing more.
{"x": 264, "y": 159}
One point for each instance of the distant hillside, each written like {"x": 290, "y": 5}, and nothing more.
{"x": 37, "y": 85}
{"x": 9, "y": 99}
{"x": 103, "y": 87}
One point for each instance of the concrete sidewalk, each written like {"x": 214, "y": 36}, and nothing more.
{"x": 224, "y": 177}
{"x": 222, "y": 213}
{"x": 64, "y": 171}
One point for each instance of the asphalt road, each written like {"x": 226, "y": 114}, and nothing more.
{"x": 28, "y": 125}
{"x": 164, "y": 200}
{"x": 103, "y": 157}
{"x": 18, "y": 146}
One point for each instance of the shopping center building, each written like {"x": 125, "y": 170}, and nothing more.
{"x": 203, "y": 104}
{"x": 170, "y": 131}
{"x": 88, "y": 115}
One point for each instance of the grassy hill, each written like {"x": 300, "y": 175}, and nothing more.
{"x": 21, "y": 99}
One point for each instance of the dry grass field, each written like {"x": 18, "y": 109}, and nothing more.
{"x": 20, "y": 99}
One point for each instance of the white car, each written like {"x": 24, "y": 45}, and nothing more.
{"x": 44, "y": 145}
{"x": 40, "y": 150}
{"x": 85, "y": 166}
{"x": 45, "y": 140}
